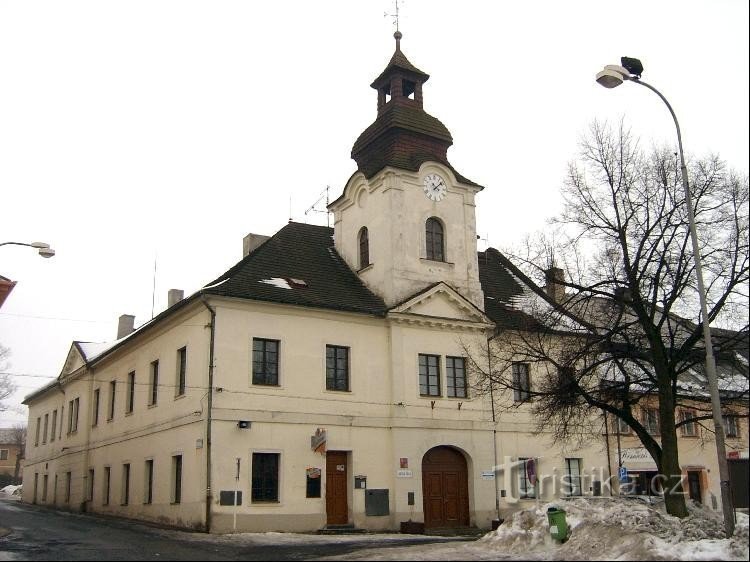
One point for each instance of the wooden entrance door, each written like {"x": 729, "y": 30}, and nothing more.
{"x": 445, "y": 489}
{"x": 337, "y": 505}
{"x": 694, "y": 486}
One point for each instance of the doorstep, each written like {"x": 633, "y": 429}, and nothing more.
{"x": 340, "y": 530}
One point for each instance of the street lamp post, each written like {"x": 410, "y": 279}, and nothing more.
{"x": 611, "y": 77}
{"x": 44, "y": 250}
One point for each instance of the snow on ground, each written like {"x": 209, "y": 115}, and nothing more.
{"x": 12, "y": 490}
{"x": 601, "y": 529}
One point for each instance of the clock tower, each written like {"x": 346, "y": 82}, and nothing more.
{"x": 406, "y": 219}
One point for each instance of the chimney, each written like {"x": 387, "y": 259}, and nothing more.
{"x": 555, "y": 277}
{"x": 125, "y": 325}
{"x": 174, "y": 296}
{"x": 251, "y": 242}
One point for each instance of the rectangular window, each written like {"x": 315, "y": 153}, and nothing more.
{"x": 521, "y": 382}
{"x": 181, "y": 370}
{"x": 651, "y": 420}
{"x": 265, "y": 479}
{"x": 54, "y": 426}
{"x": 731, "y": 427}
{"x": 573, "y": 467}
{"x": 68, "y": 481}
{"x": 621, "y": 426}
{"x": 125, "y": 484}
{"x": 112, "y": 390}
{"x": 154, "y": 394}
{"x": 177, "y": 479}
{"x": 76, "y": 408}
{"x": 689, "y": 429}
{"x": 45, "y": 482}
{"x": 107, "y": 484}
{"x": 95, "y": 413}
{"x": 337, "y": 367}
{"x": 130, "y": 398}
{"x": 46, "y": 427}
{"x": 265, "y": 361}
{"x": 90, "y": 486}
{"x": 429, "y": 375}
{"x": 455, "y": 368}
{"x": 38, "y": 429}
{"x": 148, "y": 484}
{"x": 4, "y": 454}
{"x": 62, "y": 418}
{"x": 525, "y": 488}
{"x": 312, "y": 487}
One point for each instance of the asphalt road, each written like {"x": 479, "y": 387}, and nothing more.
{"x": 38, "y": 533}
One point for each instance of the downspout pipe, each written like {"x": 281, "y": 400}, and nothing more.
{"x": 494, "y": 426}
{"x": 209, "y": 411}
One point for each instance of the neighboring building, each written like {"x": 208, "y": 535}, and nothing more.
{"x": 324, "y": 377}
{"x": 11, "y": 448}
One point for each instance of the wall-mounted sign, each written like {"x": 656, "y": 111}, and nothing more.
{"x": 488, "y": 475}
{"x": 403, "y": 462}
{"x": 318, "y": 441}
{"x": 636, "y": 454}
{"x": 404, "y": 474}
{"x": 341, "y": 468}
{"x": 313, "y": 472}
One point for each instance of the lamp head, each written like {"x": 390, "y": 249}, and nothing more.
{"x": 612, "y": 76}
{"x": 633, "y": 66}
{"x": 46, "y": 252}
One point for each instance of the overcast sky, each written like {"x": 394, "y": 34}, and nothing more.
{"x": 139, "y": 130}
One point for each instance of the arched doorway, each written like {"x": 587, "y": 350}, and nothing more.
{"x": 445, "y": 489}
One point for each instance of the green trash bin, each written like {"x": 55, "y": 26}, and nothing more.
{"x": 558, "y": 526}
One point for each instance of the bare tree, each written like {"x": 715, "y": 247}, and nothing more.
{"x": 7, "y": 387}
{"x": 612, "y": 335}
{"x": 18, "y": 437}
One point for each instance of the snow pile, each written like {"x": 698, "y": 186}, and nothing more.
{"x": 12, "y": 490}
{"x": 620, "y": 528}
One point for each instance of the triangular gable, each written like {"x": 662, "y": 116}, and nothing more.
{"x": 73, "y": 361}
{"x": 443, "y": 302}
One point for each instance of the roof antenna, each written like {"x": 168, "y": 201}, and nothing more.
{"x": 311, "y": 208}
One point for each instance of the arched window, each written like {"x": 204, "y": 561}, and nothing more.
{"x": 434, "y": 239}
{"x": 364, "y": 248}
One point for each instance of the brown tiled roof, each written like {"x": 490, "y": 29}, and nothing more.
{"x": 304, "y": 252}
{"x": 500, "y": 287}
{"x": 403, "y": 136}
{"x": 399, "y": 61}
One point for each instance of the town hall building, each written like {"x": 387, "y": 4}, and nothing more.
{"x": 324, "y": 380}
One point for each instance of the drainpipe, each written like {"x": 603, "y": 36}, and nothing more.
{"x": 494, "y": 428}
{"x": 87, "y": 443}
{"x": 609, "y": 459}
{"x": 209, "y": 406}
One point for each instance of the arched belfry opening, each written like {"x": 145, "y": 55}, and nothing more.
{"x": 445, "y": 488}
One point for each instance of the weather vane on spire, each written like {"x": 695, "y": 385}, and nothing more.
{"x": 397, "y": 36}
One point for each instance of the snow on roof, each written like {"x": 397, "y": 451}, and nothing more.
{"x": 532, "y": 303}
{"x": 91, "y": 350}
{"x": 216, "y": 284}
{"x": 277, "y": 282}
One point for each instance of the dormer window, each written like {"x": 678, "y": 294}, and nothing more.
{"x": 364, "y": 248}
{"x": 434, "y": 240}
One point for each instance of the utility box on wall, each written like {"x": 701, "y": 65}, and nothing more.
{"x": 376, "y": 502}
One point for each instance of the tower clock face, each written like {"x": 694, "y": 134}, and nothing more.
{"x": 434, "y": 187}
